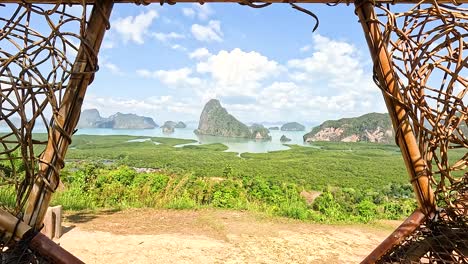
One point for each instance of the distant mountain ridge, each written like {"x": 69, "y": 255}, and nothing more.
{"x": 372, "y": 127}
{"x": 91, "y": 118}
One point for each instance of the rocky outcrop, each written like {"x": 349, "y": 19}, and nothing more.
{"x": 284, "y": 139}
{"x": 180, "y": 124}
{"x": 131, "y": 121}
{"x": 216, "y": 121}
{"x": 167, "y": 129}
{"x": 292, "y": 126}
{"x": 91, "y": 118}
{"x": 259, "y": 132}
{"x": 169, "y": 126}
{"x": 273, "y": 128}
{"x": 373, "y": 127}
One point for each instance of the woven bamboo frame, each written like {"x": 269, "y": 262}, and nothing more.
{"x": 418, "y": 144}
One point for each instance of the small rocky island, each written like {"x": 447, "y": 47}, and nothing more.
{"x": 372, "y": 127}
{"x": 91, "y": 118}
{"x": 284, "y": 139}
{"x": 169, "y": 126}
{"x": 292, "y": 126}
{"x": 260, "y": 132}
{"x": 273, "y": 128}
{"x": 216, "y": 121}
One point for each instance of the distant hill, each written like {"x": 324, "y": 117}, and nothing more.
{"x": 216, "y": 121}
{"x": 259, "y": 132}
{"x": 373, "y": 127}
{"x": 91, "y": 118}
{"x": 292, "y": 126}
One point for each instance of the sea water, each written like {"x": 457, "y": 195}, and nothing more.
{"x": 239, "y": 145}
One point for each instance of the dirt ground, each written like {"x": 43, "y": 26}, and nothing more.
{"x": 213, "y": 236}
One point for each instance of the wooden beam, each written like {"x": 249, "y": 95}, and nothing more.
{"x": 401, "y": 233}
{"x": 53, "y": 252}
{"x": 11, "y": 227}
{"x": 415, "y": 164}
{"x": 67, "y": 117}
{"x": 79, "y": 2}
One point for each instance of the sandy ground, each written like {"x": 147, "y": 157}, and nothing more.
{"x": 213, "y": 236}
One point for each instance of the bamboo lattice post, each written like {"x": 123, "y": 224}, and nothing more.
{"x": 67, "y": 117}
{"x": 415, "y": 164}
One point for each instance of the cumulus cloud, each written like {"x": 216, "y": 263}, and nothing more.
{"x": 172, "y": 78}
{"x": 210, "y": 32}
{"x": 331, "y": 82}
{"x": 202, "y": 12}
{"x": 305, "y": 48}
{"x": 199, "y": 53}
{"x": 188, "y": 12}
{"x": 113, "y": 68}
{"x": 336, "y": 63}
{"x": 178, "y": 47}
{"x": 164, "y": 37}
{"x": 238, "y": 72}
{"x": 134, "y": 28}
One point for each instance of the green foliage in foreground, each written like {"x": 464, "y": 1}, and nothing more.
{"x": 94, "y": 185}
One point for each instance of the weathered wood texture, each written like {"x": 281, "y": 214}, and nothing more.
{"x": 407, "y": 142}
{"x": 223, "y": 1}
{"x": 67, "y": 117}
{"x": 404, "y": 230}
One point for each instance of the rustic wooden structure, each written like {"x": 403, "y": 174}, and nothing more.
{"x": 53, "y": 222}
{"x": 420, "y": 65}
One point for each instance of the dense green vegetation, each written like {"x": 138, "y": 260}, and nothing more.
{"x": 347, "y": 165}
{"x": 95, "y": 185}
{"x": 356, "y": 181}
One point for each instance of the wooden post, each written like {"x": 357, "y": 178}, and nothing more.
{"x": 53, "y": 222}
{"x": 415, "y": 164}
{"x": 67, "y": 117}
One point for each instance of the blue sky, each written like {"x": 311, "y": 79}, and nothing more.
{"x": 262, "y": 64}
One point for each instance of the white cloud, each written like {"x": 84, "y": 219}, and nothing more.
{"x": 135, "y": 28}
{"x": 178, "y": 47}
{"x": 164, "y": 37}
{"x": 199, "y": 53}
{"x": 237, "y": 73}
{"x": 305, "y": 48}
{"x": 188, "y": 12}
{"x": 208, "y": 33}
{"x": 202, "y": 12}
{"x": 113, "y": 68}
{"x": 172, "y": 78}
{"x": 330, "y": 83}
{"x": 336, "y": 63}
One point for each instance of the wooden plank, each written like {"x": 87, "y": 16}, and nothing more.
{"x": 415, "y": 164}
{"x": 10, "y": 225}
{"x": 224, "y": 1}
{"x": 401, "y": 233}
{"x": 67, "y": 118}
{"x": 53, "y": 252}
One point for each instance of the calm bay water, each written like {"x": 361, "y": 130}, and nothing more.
{"x": 234, "y": 144}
